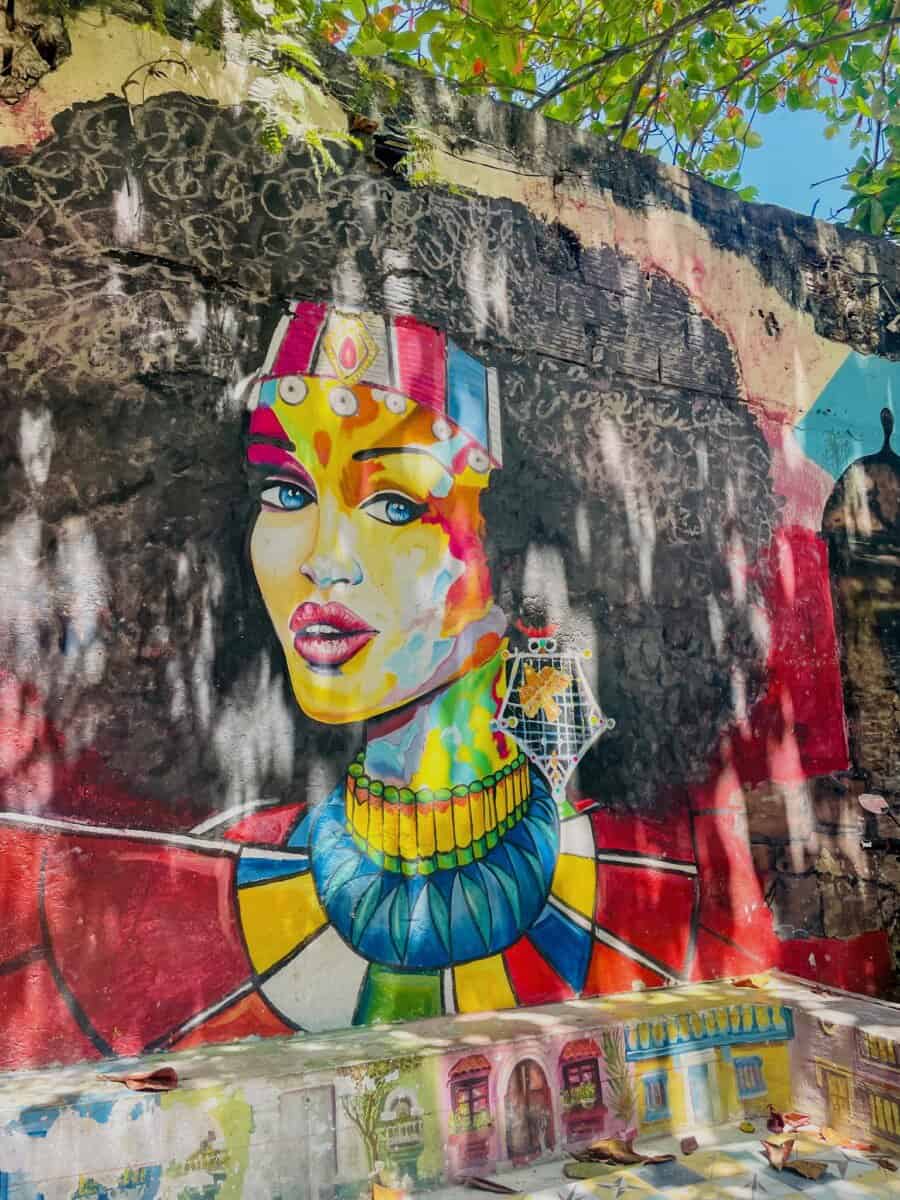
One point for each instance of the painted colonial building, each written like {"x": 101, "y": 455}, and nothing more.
{"x": 708, "y": 1065}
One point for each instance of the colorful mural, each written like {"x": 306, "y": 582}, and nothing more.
{"x": 450, "y": 870}
{"x": 413, "y": 603}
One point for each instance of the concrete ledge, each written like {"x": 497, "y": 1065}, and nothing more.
{"x": 314, "y": 1115}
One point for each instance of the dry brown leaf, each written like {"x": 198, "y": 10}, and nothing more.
{"x": 887, "y": 1163}
{"x": 778, "y": 1153}
{"x": 490, "y": 1185}
{"x": 807, "y": 1167}
{"x": 621, "y": 1158}
{"x": 163, "y": 1079}
{"x": 359, "y": 123}
{"x": 795, "y": 1119}
{"x": 618, "y": 1151}
{"x": 609, "y": 1150}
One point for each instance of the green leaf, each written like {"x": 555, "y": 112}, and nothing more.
{"x": 877, "y": 216}
{"x": 865, "y": 59}
{"x": 878, "y": 104}
{"x": 368, "y": 48}
{"x": 429, "y": 21}
{"x": 407, "y": 40}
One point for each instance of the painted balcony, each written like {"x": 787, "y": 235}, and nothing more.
{"x": 710, "y": 1027}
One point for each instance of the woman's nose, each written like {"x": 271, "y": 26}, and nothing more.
{"x": 333, "y": 559}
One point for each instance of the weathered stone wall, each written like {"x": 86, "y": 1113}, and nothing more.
{"x": 681, "y": 380}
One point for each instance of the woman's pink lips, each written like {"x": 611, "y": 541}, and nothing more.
{"x": 328, "y": 635}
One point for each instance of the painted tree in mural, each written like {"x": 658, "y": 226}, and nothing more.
{"x": 621, "y": 1084}
{"x": 682, "y": 82}
{"x": 372, "y": 1083}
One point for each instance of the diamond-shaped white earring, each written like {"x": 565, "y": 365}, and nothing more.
{"x": 549, "y": 709}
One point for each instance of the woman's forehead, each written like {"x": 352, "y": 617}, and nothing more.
{"x": 324, "y": 422}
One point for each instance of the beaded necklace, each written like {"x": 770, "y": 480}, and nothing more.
{"x": 418, "y": 832}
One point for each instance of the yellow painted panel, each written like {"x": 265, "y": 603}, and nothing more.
{"x": 482, "y": 985}
{"x": 726, "y": 1083}
{"x": 678, "y": 1100}
{"x": 276, "y": 917}
{"x": 776, "y": 1066}
{"x": 575, "y": 883}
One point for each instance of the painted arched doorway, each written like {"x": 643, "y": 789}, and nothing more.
{"x": 529, "y": 1113}
{"x": 862, "y": 526}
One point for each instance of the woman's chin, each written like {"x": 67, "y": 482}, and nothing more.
{"x": 333, "y": 699}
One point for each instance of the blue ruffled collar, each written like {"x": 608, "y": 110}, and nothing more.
{"x": 440, "y": 920}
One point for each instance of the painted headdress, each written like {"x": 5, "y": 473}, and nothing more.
{"x": 396, "y": 357}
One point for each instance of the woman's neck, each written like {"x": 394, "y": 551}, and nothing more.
{"x": 446, "y": 739}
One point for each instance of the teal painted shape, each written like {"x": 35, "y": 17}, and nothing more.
{"x": 523, "y": 859}
{"x": 399, "y": 922}
{"x": 344, "y": 872}
{"x": 365, "y": 907}
{"x": 476, "y": 899}
{"x": 510, "y": 889}
{"x": 844, "y": 424}
{"x": 440, "y": 915}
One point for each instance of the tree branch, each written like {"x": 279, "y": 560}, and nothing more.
{"x": 638, "y": 87}
{"x": 585, "y": 70}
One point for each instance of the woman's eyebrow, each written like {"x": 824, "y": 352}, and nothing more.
{"x": 267, "y": 456}
{"x": 265, "y": 439}
{"x": 383, "y": 451}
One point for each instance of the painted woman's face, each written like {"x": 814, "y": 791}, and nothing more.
{"x": 368, "y": 546}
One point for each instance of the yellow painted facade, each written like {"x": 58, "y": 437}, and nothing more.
{"x": 670, "y": 1099}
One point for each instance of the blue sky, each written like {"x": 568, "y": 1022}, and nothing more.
{"x": 794, "y": 155}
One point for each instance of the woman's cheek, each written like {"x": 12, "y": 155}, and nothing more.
{"x": 279, "y": 545}
{"x": 418, "y": 572}
{"x": 470, "y": 592}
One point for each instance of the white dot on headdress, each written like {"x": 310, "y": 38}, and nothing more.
{"x": 395, "y": 404}
{"x": 478, "y": 460}
{"x": 292, "y": 389}
{"x": 441, "y": 430}
{"x": 343, "y": 402}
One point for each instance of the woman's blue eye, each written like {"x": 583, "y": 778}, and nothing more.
{"x": 289, "y": 497}
{"x": 394, "y": 509}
